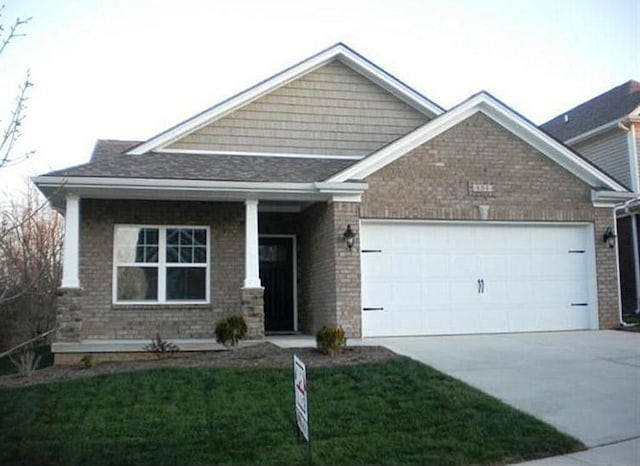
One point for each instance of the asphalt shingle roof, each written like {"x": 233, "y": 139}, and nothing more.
{"x": 609, "y": 106}
{"x": 109, "y": 159}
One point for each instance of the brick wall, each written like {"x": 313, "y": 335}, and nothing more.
{"x": 100, "y": 319}
{"x": 347, "y": 264}
{"x": 316, "y": 274}
{"x": 607, "y": 271}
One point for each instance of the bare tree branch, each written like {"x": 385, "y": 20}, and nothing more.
{"x": 13, "y": 31}
{"x": 12, "y": 129}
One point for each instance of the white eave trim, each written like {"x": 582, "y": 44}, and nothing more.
{"x": 495, "y": 110}
{"x": 195, "y": 189}
{"x": 594, "y": 132}
{"x": 260, "y": 154}
{"x": 339, "y": 51}
{"x": 610, "y": 198}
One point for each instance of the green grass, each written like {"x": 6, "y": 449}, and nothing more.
{"x": 46, "y": 360}
{"x": 398, "y": 412}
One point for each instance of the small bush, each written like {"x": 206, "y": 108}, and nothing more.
{"x": 88, "y": 361}
{"x": 162, "y": 348}
{"x": 231, "y": 330}
{"x": 330, "y": 340}
{"x": 26, "y": 361}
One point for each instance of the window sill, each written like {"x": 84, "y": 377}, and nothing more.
{"x": 159, "y": 306}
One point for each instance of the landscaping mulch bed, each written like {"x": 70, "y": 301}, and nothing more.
{"x": 254, "y": 355}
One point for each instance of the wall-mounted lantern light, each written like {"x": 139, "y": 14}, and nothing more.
{"x": 609, "y": 237}
{"x": 349, "y": 237}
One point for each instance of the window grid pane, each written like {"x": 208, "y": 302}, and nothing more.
{"x": 183, "y": 247}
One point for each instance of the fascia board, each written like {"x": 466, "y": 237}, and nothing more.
{"x": 594, "y": 132}
{"x": 609, "y": 198}
{"x": 193, "y": 188}
{"x": 508, "y": 119}
{"x": 339, "y": 51}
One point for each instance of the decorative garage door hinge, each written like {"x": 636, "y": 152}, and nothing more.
{"x": 373, "y": 308}
{"x": 371, "y": 250}
{"x": 579, "y": 304}
{"x": 576, "y": 251}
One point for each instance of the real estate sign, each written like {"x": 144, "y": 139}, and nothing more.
{"x": 301, "y": 401}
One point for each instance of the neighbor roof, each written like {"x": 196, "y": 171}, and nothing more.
{"x": 610, "y": 106}
{"x": 110, "y": 159}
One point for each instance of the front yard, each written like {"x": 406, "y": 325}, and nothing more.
{"x": 393, "y": 412}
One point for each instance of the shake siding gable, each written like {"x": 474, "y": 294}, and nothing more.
{"x": 610, "y": 153}
{"x": 330, "y": 111}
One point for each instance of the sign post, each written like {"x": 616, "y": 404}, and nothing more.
{"x": 301, "y": 400}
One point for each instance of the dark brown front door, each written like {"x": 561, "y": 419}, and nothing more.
{"x": 276, "y": 275}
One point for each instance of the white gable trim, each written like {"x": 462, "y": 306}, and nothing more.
{"x": 501, "y": 114}
{"x": 339, "y": 51}
{"x": 260, "y": 154}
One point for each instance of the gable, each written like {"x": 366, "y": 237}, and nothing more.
{"x": 511, "y": 121}
{"x": 437, "y": 178}
{"x": 331, "y": 111}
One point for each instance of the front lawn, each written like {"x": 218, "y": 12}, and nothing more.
{"x": 385, "y": 413}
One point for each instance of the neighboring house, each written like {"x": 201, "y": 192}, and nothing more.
{"x": 606, "y": 131}
{"x": 470, "y": 220}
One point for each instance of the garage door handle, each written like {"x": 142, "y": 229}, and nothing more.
{"x": 480, "y": 285}
{"x": 373, "y": 308}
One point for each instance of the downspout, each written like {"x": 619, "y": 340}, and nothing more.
{"x": 624, "y": 208}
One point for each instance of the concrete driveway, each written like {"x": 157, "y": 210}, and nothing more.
{"x": 584, "y": 383}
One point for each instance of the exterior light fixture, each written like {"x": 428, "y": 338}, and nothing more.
{"x": 609, "y": 237}
{"x": 349, "y": 237}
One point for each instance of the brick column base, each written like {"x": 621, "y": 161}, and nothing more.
{"x": 253, "y": 312}
{"x": 69, "y": 315}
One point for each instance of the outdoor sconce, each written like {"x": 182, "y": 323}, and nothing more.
{"x": 609, "y": 237}
{"x": 349, "y": 237}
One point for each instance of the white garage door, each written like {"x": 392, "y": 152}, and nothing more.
{"x": 430, "y": 279}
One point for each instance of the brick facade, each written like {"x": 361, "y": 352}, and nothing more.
{"x": 94, "y": 315}
{"x": 433, "y": 182}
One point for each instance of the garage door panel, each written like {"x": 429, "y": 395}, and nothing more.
{"x": 428, "y": 278}
{"x": 405, "y": 265}
{"x": 378, "y": 264}
{"x": 406, "y": 295}
{"x": 436, "y": 294}
{"x": 376, "y": 293}
{"x": 463, "y": 264}
{"x": 492, "y": 265}
{"x": 435, "y": 265}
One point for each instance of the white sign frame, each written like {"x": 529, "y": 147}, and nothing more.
{"x": 301, "y": 396}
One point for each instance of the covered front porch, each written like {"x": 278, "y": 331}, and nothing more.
{"x": 282, "y": 252}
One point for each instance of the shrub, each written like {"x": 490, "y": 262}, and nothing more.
{"x": 330, "y": 340}
{"x": 230, "y": 330}
{"x": 88, "y": 361}
{"x": 162, "y": 348}
{"x": 26, "y": 361}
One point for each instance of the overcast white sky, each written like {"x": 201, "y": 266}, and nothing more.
{"x": 130, "y": 69}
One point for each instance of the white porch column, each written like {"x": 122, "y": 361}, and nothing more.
{"x": 70, "y": 276}
{"x": 251, "y": 259}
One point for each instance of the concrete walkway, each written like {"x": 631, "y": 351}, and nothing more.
{"x": 585, "y": 383}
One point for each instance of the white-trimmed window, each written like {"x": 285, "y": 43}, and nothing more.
{"x": 160, "y": 264}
